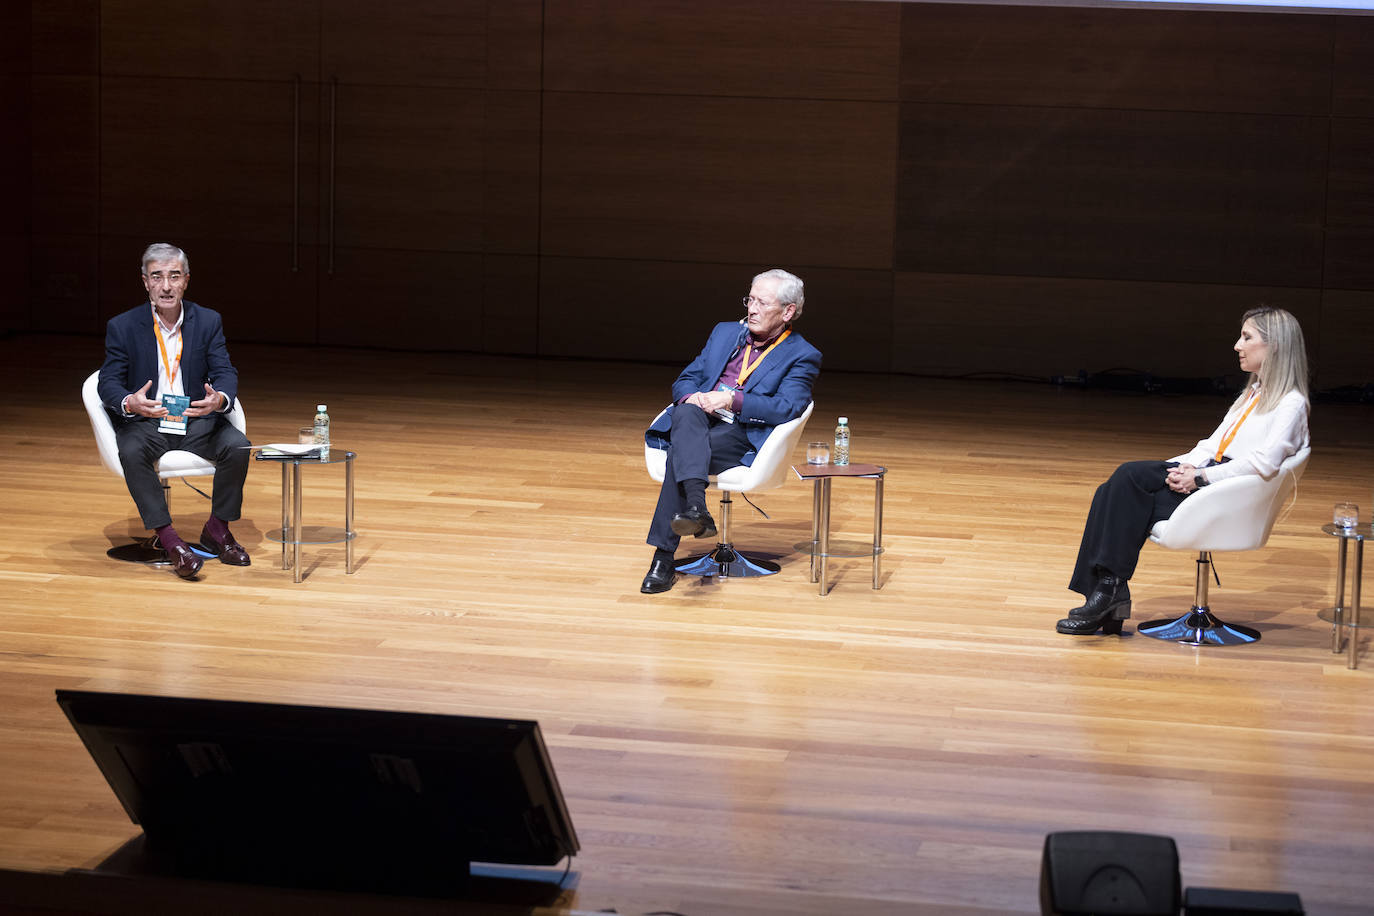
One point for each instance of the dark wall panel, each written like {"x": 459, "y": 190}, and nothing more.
{"x": 705, "y": 179}
{"x": 1344, "y": 350}
{"x": 1350, "y": 206}
{"x": 1038, "y": 326}
{"x": 1223, "y": 198}
{"x": 242, "y": 40}
{"x": 964, "y": 188}
{"x": 823, "y": 50}
{"x": 66, "y": 37}
{"x": 16, "y": 235}
{"x": 663, "y": 310}
{"x": 65, "y": 154}
{"x": 1100, "y": 58}
{"x": 1352, "y": 81}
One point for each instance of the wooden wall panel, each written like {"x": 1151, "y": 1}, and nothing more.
{"x": 405, "y": 42}
{"x": 403, "y": 300}
{"x": 1040, "y": 327}
{"x": 1101, "y": 58}
{"x": 1352, "y": 82}
{"x": 663, "y": 310}
{"x": 703, "y": 179}
{"x": 239, "y": 40}
{"x": 64, "y": 289}
{"x": 208, "y": 159}
{"x": 515, "y": 44}
{"x": 15, "y": 114}
{"x": 1221, "y": 198}
{"x": 454, "y": 44}
{"x": 510, "y": 304}
{"x": 823, "y": 50}
{"x": 1350, "y": 206}
{"x": 65, "y": 154}
{"x": 510, "y": 169}
{"x": 66, "y": 37}
{"x": 1344, "y": 352}
{"x": 410, "y": 168}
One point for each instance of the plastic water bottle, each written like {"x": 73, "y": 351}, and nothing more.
{"x": 322, "y": 430}
{"x": 840, "y": 454}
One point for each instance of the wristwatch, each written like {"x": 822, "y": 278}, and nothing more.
{"x": 1199, "y": 481}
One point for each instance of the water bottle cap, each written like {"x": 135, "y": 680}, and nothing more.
{"x": 320, "y": 407}
{"x": 844, "y": 421}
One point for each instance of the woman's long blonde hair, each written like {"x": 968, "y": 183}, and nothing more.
{"x": 1285, "y": 365}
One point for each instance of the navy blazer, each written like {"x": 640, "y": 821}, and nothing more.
{"x": 131, "y": 356}
{"x": 777, "y": 391}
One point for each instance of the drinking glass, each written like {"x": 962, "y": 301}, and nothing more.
{"x": 305, "y": 435}
{"x": 1346, "y": 515}
{"x": 818, "y": 453}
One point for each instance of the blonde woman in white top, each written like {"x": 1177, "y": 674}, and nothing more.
{"x": 1266, "y": 424}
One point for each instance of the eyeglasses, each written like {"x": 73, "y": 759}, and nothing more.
{"x": 763, "y": 303}
{"x": 173, "y": 277}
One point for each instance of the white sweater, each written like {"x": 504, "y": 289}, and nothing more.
{"x": 1261, "y": 444}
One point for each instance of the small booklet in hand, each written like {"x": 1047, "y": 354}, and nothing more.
{"x": 175, "y": 421}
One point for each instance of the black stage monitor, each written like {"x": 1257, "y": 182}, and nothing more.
{"x": 325, "y": 797}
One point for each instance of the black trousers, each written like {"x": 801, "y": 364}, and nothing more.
{"x": 698, "y": 445}
{"x": 1124, "y": 510}
{"x": 213, "y": 438}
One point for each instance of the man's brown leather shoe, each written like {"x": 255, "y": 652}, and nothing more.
{"x": 184, "y": 561}
{"x": 229, "y": 551}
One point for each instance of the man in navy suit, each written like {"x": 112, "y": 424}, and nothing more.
{"x": 751, "y": 376}
{"x": 169, "y": 346}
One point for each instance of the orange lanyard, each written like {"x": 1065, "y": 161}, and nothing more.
{"x": 745, "y": 369}
{"x": 172, "y": 366}
{"x": 1230, "y": 435}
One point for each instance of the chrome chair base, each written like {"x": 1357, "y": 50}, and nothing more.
{"x": 1199, "y": 627}
{"x": 727, "y": 563}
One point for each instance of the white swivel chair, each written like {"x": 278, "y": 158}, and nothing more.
{"x": 768, "y": 472}
{"x": 175, "y": 463}
{"x": 1233, "y": 514}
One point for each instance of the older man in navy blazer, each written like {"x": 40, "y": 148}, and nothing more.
{"x": 751, "y": 376}
{"x": 169, "y": 346}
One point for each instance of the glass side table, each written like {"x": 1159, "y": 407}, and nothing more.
{"x": 820, "y": 476}
{"x": 293, "y": 534}
{"x": 1337, "y": 615}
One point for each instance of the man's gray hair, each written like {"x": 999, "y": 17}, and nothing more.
{"x": 163, "y": 251}
{"x": 790, "y": 287}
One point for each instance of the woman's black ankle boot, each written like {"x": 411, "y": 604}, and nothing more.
{"x": 1107, "y": 607}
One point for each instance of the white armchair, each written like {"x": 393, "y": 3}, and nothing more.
{"x": 173, "y": 464}
{"x": 1233, "y": 514}
{"x": 768, "y": 472}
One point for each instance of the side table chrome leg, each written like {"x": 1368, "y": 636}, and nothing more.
{"x": 815, "y": 525}
{"x": 824, "y": 532}
{"x": 1338, "y": 612}
{"x": 285, "y": 515}
{"x": 348, "y": 516}
{"x": 1354, "y": 628}
{"x": 877, "y": 530}
{"x": 296, "y": 520}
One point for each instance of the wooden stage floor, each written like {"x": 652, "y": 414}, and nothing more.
{"x": 744, "y": 747}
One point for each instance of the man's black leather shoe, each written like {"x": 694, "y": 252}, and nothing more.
{"x": 184, "y": 562}
{"x": 229, "y": 550}
{"x": 660, "y": 578}
{"x": 696, "y": 521}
